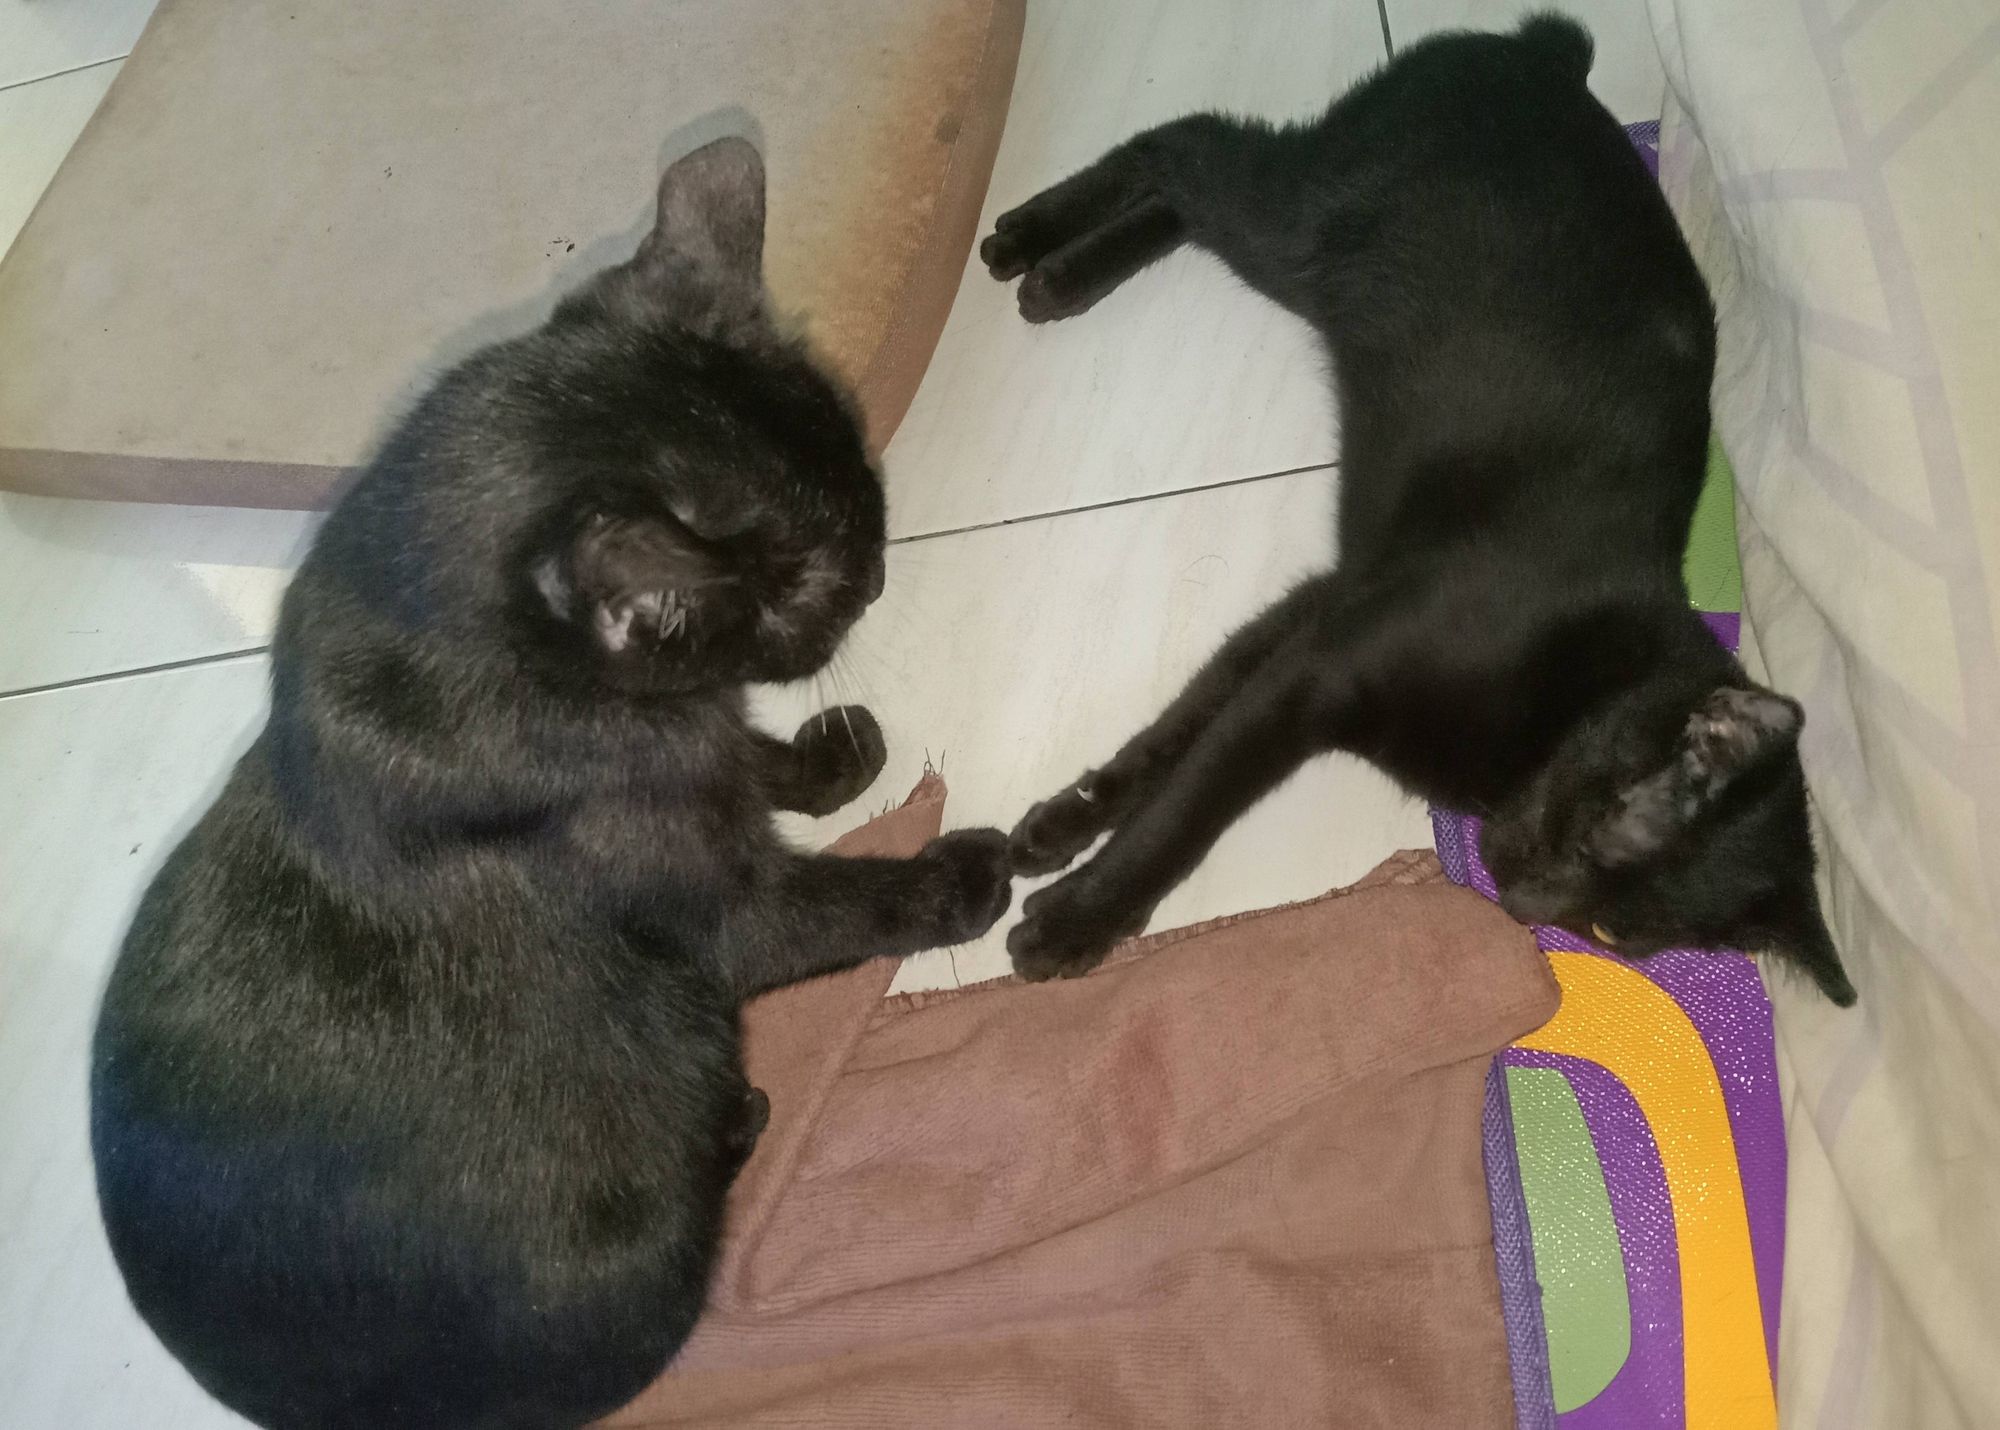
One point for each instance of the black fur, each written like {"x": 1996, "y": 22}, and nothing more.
{"x": 1522, "y": 350}
{"x": 417, "y": 1086}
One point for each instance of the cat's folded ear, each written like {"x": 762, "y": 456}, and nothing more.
{"x": 702, "y": 265}
{"x": 630, "y": 580}
{"x": 1794, "y": 931}
{"x": 1735, "y": 730}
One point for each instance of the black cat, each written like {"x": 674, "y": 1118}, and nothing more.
{"x": 417, "y": 1086}
{"x": 1522, "y": 349}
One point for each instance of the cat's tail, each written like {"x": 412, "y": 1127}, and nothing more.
{"x": 1561, "y": 41}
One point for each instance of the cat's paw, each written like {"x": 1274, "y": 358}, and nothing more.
{"x": 1068, "y": 929}
{"x": 749, "y": 1125}
{"x": 841, "y": 751}
{"x": 976, "y": 882}
{"x": 1007, "y": 255}
{"x": 1047, "y": 295}
{"x": 1058, "y": 829}
{"x": 1021, "y": 238}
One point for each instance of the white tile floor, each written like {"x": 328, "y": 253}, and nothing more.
{"x": 1014, "y": 651}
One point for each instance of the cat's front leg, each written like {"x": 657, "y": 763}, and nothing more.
{"x": 1056, "y": 830}
{"x": 835, "y": 755}
{"x": 823, "y": 913}
{"x": 1296, "y": 704}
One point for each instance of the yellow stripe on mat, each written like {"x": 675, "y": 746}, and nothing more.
{"x": 1631, "y": 1027}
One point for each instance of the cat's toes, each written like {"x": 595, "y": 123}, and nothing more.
{"x": 1026, "y": 246}
{"x": 756, "y": 1113}
{"x": 1067, "y": 930}
{"x": 1044, "y": 297}
{"x": 842, "y": 751}
{"x": 750, "y": 1125}
{"x": 1057, "y": 830}
{"x": 977, "y": 881}
{"x": 1006, "y": 255}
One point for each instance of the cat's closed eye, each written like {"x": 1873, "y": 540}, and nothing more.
{"x": 713, "y": 523}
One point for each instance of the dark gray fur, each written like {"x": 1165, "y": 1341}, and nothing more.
{"x": 1522, "y": 349}
{"x": 417, "y": 1085}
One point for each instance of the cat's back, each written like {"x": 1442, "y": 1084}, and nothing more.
{"x": 324, "y": 1129}
{"x": 257, "y": 980}
{"x": 1481, "y": 187}
{"x": 1522, "y": 340}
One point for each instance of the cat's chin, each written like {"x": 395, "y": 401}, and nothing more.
{"x": 791, "y": 662}
{"x": 783, "y": 673}
{"x": 673, "y": 680}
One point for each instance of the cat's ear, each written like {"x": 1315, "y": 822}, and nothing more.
{"x": 1796, "y": 933}
{"x": 629, "y": 580}
{"x": 703, "y": 262}
{"x": 1735, "y": 730}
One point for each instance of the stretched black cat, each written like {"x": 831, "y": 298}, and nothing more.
{"x": 417, "y": 1085}
{"x": 1522, "y": 349}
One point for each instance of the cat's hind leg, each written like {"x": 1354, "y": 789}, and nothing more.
{"x": 1077, "y": 240}
{"x": 1062, "y": 213}
{"x": 1071, "y": 279}
{"x": 1253, "y": 194}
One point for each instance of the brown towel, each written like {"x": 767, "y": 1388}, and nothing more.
{"x": 1232, "y": 1178}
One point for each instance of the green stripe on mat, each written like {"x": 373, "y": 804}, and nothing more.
{"x": 1578, "y": 1260}
{"x": 1710, "y": 570}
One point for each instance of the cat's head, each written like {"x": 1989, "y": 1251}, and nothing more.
{"x": 657, "y": 491}
{"x": 1671, "y": 827}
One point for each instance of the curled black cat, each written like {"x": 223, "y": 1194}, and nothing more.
{"x": 417, "y": 1086}
{"x": 1522, "y": 348}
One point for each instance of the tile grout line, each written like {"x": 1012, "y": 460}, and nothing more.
{"x": 104, "y": 677}
{"x": 58, "y": 74}
{"x": 219, "y": 657}
{"x": 1113, "y": 503}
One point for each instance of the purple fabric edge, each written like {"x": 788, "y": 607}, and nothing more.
{"x": 1514, "y": 1258}
{"x": 1649, "y": 1389}
{"x": 1513, "y": 1243}
{"x": 1701, "y": 983}
{"x": 1646, "y": 139}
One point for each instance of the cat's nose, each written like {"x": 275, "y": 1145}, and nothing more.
{"x": 874, "y": 579}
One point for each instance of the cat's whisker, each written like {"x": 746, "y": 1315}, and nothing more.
{"x": 675, "y": 622}
{"x": 847, "y": 681}
{"x": 835, "y": 680}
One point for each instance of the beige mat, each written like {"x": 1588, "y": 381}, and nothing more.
{"x": 286, "y": 218}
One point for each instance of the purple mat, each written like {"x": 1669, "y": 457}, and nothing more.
{"x": 1724, "y": 998}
